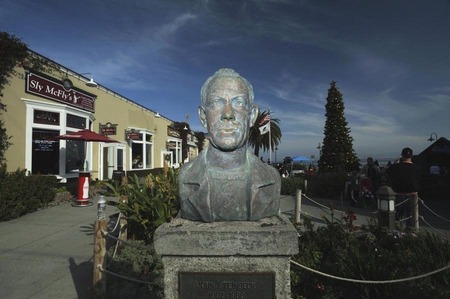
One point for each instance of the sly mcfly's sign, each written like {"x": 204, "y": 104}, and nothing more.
{"x": 54, "y": 90}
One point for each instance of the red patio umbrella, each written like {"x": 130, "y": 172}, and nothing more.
{"x": 83, "y": 182}
{"x": 85, "y": 135}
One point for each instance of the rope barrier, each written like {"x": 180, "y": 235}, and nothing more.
{"x": 404, "y": 219}
{"x": 106, "y": 234}
{"x": 116, "y": 246}
{"x": 372, "y": 281}
{"x": 117, "y": 223}
{"x": 433, "y": 228}
{"x": 100, "y": 267}
{"x": 399, "y": 204}
{"x": 433, "y": 211}
{"x": 321, "y": 205}
{"x": 312, "y": 216}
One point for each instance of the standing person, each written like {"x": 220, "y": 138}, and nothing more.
{"x": 404, "y": 177}
{"x": 227, "y": 182}
{"x": 371, "y": 171}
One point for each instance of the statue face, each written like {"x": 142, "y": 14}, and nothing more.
{"x": 227, "y": 113}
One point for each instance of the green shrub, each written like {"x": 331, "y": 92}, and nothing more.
{"x": 21, "y": 194}
{"x": 369, "y": 254}
{"x": 290, "y": 185}
{"x": 149, "y": 204}
{"x": 138, "y": 261}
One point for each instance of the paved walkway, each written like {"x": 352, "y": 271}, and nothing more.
{"x": 48, "y": 253}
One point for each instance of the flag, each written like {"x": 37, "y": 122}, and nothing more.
{"x": 265, "y": 119}
{"x": 265, "y": 129}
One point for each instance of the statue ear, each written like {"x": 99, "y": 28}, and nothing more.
{"x": 202, "y": 116}
{"x": 253, "y": 114}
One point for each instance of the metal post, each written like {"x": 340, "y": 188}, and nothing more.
{"x": 298, "y": 205}
{"x": 99, "y": 278}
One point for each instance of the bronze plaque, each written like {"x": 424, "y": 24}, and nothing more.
{"x": 220, "y": 285}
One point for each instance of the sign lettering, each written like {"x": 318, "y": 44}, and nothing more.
{"x": 215, "y": 285}
{"x": 54, "y": 90}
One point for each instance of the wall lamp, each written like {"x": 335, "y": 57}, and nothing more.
{"x": 91, "y": 82}
{"x": 431, "y": 137}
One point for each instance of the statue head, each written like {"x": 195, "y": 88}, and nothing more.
{"x": 227, "y": 110}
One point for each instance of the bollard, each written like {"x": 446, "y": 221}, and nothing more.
{"x": 414, "y": 206}
{"x": 386, "y": 207}
{"x": 298, "y": 205}
{"x": 123, "y": 221}
{"x": 99, "y": 278}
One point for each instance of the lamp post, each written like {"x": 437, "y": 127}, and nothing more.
{"x": 276, "y": 148}
{"x": 386, "y": 207}
{"x": 319, "y": 147}
{"x": 431, "y": 137}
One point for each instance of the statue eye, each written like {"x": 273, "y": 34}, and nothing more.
{"x": 239, "y": 102}
{"x": 215, "y": 102}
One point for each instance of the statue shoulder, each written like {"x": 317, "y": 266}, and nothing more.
{"x": 195, "y": 165}
{"x": 264, "y": 168}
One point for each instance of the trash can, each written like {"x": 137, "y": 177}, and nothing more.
{"x": 82, "y": 200}
{"x": 118, "y": 176}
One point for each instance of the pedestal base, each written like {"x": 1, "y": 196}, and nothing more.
{"x": 239, "y": 259}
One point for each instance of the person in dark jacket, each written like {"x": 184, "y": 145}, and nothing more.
{"x": 403, "y": 177}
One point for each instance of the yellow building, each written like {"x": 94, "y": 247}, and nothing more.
{"x": 41, "y": 106}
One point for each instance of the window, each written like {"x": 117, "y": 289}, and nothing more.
{"x": 46, "y": 117}
{"x": 75, "y": 155}
{"x": 45, "y": 156}
{"x": 76, "y": 121}
{"x": 142, "y": 151}
{"x": 174, "y": 146}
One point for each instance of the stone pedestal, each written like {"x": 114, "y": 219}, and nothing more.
{"x": 238, "y": 259}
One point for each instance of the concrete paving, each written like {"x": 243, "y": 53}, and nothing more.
{"x": 48, "y": 253}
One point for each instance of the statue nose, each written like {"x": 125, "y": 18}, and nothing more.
{"x": 228, "y": 112}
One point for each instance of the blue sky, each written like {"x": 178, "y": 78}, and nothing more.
{"x": 391, "y": 59}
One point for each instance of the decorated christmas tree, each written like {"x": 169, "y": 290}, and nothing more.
{"x": 337, "y": 153}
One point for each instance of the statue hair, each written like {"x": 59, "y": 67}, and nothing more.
{"x": 225, "y": 73}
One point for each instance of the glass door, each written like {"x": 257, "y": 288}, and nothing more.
{"x": 112, "y": 158}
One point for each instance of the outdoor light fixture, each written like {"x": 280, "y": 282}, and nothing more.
{"x": 157, "y": 114}
{"x": 91, "y": 82}
{"x": 185, "y": 128}
{"x": 386, "y": 207}
{"x": 431, "y": 137}
{"x": 386, "y": 199}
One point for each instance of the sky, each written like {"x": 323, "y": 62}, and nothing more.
{"x": 390, "y": 59}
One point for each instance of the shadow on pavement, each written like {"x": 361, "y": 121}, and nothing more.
{"x": 82, "y": 277}
{"x": 87, "y": 229}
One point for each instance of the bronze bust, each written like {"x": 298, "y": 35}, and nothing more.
{"x": 227, "y": 182}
